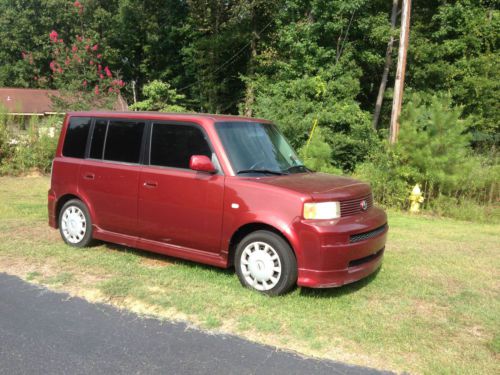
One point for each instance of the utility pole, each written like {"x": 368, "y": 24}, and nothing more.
{"x": 387, "y": 66}
{"x": 400, "y": 73}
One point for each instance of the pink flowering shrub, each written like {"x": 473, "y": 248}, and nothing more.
{"x": 78, "y": 70}
{"x": 79, "y": 67}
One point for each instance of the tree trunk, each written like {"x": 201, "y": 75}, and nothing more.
{"x": 387, "y": 66}
{"x": 400, "y": 73}
{"x": 134, "y": 91}
{"x": 250, "y": 92}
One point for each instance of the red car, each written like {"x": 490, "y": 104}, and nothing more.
{"x": 220, "y": 190}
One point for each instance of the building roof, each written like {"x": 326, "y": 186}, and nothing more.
{"x": 36, "y": 101}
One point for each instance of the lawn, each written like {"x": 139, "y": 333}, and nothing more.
{"x": 432, "y": 308}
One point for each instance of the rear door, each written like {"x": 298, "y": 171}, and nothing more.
{"x": 109, "y": 177}
{"x": 179, "y": 206}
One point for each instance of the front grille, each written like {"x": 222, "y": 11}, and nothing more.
{"x": 366, "y": 235}
{"x": 369, "y": 258}
{"x": 353, "y": 206}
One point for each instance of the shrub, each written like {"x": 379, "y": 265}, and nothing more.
{"x": 388, "y": 178}
{"x": 317, "y": 154}
{"x": 464, "y": 209}
{"x": 33, "y": 150}
{"x": 433, "y": 150}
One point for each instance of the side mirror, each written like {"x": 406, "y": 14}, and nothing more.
{"x": 201, "y": 163}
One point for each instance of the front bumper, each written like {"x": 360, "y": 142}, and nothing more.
{"x": 341, "y": 251}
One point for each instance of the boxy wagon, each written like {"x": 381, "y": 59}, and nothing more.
{"x": 219, "y": 190}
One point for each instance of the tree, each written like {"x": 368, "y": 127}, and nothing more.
{"x": 78, "y": 71}
{"x": 388, "y": 61}
{"x": 159, "y": 96}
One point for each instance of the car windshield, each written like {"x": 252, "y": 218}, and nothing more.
{"x": 258, "y": 148}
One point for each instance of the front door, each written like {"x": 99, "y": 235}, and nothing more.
{"x": 179, "y": 206}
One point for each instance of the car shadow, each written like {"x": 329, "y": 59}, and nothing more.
{"x": 165, "y": 260}
{"x": 162, "y": 259}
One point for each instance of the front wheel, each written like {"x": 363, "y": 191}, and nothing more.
{"x": 265, "y": 262}
{"x": 75, "y": 224}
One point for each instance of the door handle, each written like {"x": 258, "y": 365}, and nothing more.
{"x": 89, "y": 176}
{"x": 150, "y": 184}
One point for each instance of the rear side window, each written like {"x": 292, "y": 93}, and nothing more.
{"x": 123, "y": 141}
{"x": 76, "y": 137}
{"x": 173, "y": 145}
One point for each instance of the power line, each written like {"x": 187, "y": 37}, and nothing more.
{"x": 228, "y": 61}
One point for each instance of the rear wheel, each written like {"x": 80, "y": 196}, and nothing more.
{"x": 75, "y": 224}
{"x": 265, "y": 262}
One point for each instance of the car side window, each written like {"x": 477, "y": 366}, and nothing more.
{"x": 123, "y": 141}
{"x": 76, "y": 137}
{"x": 173, "y": 145}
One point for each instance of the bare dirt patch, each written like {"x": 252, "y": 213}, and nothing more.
{"x": 156, "y": 262}
{"x": 38, "y": 231}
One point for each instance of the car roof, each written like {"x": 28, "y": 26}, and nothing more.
{"x": 169, "y": 116}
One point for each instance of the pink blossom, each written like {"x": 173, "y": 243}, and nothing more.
{"x": 84, "y": 83}
{"x": 91, "y": 62}
{"x": 96, "y": 90}
{"x": 101, "y": 76}
{"x": 52, "y": 65}
{"x": 59, "y": 70}
{"x": 61, "y": 41}
{"x": 74, "y": 48}
{"x": 108, "y": 72}
{"x": 53, "y": 36}
{"x": 99, "y": 56}
{"x": 87, "y": 47}
{"x": 77, "y": 4}
{"x": 95, "y": 47}
{"x": 23, "y": 54}
{"x": 118, "y": 82}
{"x": 110, "y": 89}
{"x": 67, "y": 61}
{"x": 99, "y": 68}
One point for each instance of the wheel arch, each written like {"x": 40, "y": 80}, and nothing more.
{"x": 248, "y": 228}
{"x": 66, "y": 198}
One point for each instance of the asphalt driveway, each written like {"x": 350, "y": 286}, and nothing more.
{"x": 43, "y": 332}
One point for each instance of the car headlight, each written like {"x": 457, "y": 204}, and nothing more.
{"x": 322, "y": 210}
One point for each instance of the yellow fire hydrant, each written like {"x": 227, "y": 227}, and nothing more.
{"x": 416, "y": 197}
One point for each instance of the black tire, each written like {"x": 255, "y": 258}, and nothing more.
{"x": 81, "y": 236}
{"x": 287, "y": 278}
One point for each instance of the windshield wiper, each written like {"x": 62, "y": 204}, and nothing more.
{"x": 268, "y": 171}
{"x": 300, "y": 167}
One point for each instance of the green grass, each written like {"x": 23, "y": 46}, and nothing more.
{"x": 432, "y": 308}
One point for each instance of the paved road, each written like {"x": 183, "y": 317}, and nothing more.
{"x": 42, "y": 332}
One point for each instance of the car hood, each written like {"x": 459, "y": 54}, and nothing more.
{"x": 320, "y": 186}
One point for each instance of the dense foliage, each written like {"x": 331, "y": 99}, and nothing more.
{"x": 296, "y": 62}
{"x": 432, "y": 151}
{"x": 28, "y": 151}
